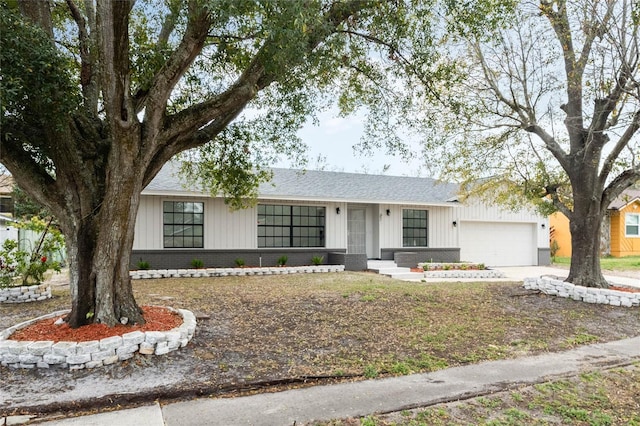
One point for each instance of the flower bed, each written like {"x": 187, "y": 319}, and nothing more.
{"x": 22, "y": 294}
{"x": 95, "y": 353}
{"x": 452, "y": 266}
{"x": 465, "y": 270}
{"x": 557, "y": 287}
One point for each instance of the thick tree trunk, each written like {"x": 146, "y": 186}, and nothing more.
{"x": 585, "y": 249}
{"x": 99, "y": 254}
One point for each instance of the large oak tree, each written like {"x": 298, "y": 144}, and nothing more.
{"x": 99, "y": 94}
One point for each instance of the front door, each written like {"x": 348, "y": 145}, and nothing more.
{"x": 356, "y": 231}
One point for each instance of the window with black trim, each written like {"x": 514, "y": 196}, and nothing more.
{"x": 632, "y": 225}
{"x": 290, "y": 226}
{"x": 6, "y": 205}
{"x": 183, "y": 224}
{"x": 414, "y": 228}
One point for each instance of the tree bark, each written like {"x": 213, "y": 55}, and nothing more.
{"x": 99, "y": 249}
{"x": 585, "y": 254}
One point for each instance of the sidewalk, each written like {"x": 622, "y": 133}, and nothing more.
{"x": 367, "y": 397}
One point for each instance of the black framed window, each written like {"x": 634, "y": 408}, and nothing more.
{"x": 183, "y": 224}
{"x": 6, "y": 205}
{"x": 415, "y": 224}
{"x": 290, "y": 226}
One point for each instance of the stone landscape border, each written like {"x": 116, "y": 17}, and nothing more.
{"x": 95, "y": 353}
{"x": 228, "y": 272}
{"x": 26, "y": 293}
{"x": 459, "y": 273}
{"x": 556, "y": 287}
{"x": 458, "y": 270}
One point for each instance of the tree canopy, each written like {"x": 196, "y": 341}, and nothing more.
{"x": 98, "y": 95}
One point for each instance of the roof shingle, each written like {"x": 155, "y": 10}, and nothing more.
{"x": 330, "y": 186}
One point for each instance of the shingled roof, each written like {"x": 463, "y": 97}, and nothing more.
{"x": 627, "y": 196}
{"x": 315, "y": 185}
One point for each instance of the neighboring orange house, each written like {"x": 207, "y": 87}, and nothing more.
{"x": 559, "y": 232}
{"x": 620, "y": 228}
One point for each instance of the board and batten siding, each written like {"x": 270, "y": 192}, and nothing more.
{"x": 441, "y": 233}
{"x": 148, "y": 231}
{"x": 228, "y": 229}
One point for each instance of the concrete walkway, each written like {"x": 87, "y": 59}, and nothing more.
{"x": 368, "y": 397}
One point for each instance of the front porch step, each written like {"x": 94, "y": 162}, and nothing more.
{"x": 382, "y": 265}
{"x": 390, "y": 269}
{"x": 408, "y": 276}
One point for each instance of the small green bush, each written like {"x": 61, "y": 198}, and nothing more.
{"x": 22, "y": 266}
{"x": 239, "y": 262}
{"x": 317, "y": 260}
{"x": 282, "y": 260}
{"x": 143, "y": 265}
{"x": 197, "y": 263}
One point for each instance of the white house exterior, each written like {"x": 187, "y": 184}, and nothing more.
{"x": 346, "y": 218}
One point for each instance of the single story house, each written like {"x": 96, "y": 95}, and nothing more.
{"x": 620, "y": 234}
{"x": 346, "y": 218}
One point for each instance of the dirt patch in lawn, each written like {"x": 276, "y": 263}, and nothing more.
{"x": 268, "y": 332}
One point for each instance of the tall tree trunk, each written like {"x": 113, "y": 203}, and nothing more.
{"x": 585, "y": 226}
{"x": 100, "y": 251}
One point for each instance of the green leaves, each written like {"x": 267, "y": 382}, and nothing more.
{"x": 21, "y": 264}
{"x": 37, "y": 90}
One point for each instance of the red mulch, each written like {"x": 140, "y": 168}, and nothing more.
{"x": 157, "y": 319}
{"x": 627, "y": 289}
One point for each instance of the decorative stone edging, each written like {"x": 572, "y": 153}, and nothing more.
{"x": 95, "y": 353}
{"x": 448, "y": 266}
{"x": 556, "y": 287}
{"x": 477, "y": 273}
{"x": 225, "y": 272}
{"x": 22, "y": 294}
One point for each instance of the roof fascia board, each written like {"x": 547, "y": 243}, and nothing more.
{"x": 635, "y": 200}
{"x": 176, "y": 194}
{"x": 357, "y": 201}
{"x": 308, "y": 199}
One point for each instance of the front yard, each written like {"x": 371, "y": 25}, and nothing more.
{"x": 629, "y": 263}
{"x": 262, "y": 332}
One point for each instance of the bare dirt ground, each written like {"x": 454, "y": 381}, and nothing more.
{"x": 258, "y": 334}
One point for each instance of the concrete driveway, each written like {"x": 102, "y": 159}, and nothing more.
{"x": 519, "y": 273}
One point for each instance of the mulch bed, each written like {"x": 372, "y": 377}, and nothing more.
{"x": 157, "y": 319}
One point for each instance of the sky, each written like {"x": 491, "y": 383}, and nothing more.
{"x": 332, "y": 142}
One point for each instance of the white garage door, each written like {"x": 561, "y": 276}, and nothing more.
{"x": 498, "y": 244}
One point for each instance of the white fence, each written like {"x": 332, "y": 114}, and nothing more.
{"x": 27, "y": 240}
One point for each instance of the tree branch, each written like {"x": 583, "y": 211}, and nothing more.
{"x": 207, "y": 118}
{"x": 38, "y": 12}
{"x": 155, "y": 99}
{"x": 624, "y": 140}
{"x": 551, "y": 144}
{"x": 113, "y": 30}
{"x": 573, "y": 108}
{"x": 29, "y": 175}
{"x": 87, "y": 65}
